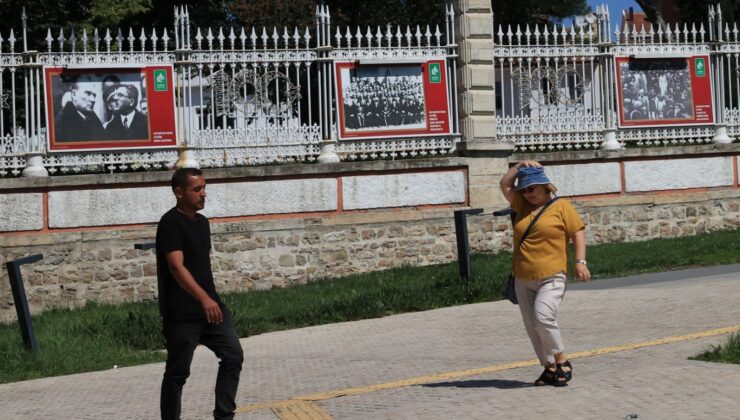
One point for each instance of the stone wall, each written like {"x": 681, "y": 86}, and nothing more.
{"x": 338, "y": 218}
{"x": 260, "y": 254}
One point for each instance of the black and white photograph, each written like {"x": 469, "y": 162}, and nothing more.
{"x": 95, "y": 106}
{"x": 383, "y": 98}
{"x": 656, "y": 90}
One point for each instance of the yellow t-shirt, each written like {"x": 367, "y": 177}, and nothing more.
{"x": 545, "y": 251}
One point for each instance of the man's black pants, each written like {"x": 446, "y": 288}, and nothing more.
{"x": 182, "y": 338}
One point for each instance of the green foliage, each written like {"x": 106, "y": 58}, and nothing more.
{"x": 95, "y": 337}
{"x": 112, "y": 13}
{"x": 727, "y": 353}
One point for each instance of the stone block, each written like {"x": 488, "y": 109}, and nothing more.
{"x": 477, "y": 51}
{"x": 653, "y": 175}
{"x": 102, "y": 207}
{"x": 474, "y": 25}
{"x": 476, "y": 102}
{"x": 21, "y": 212}
{"x": 585, "y": 179}
{"x": 479, "y": 76}
{"x": 479, "y": 127}
{"x": 415, "y": 189}
{"x": 271, "y": 197}
{"x": 467, "y": 6}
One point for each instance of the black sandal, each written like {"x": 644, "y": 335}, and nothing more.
{"x": 548, "y": 377}
{"x": 564, "y": 376}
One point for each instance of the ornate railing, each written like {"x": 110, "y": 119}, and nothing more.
{"x": 557, "y": 87}
{"x": 243, "y": 96}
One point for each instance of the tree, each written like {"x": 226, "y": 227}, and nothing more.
{"x": 652, "y": 12}
{"x": 271, "y": 13}
{"x": 344, "y": 13}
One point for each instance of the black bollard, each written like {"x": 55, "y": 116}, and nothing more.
{"x": 463, "y": 248}
{"x": 21, "y": 303}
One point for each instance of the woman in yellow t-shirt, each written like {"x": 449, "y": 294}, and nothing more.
{"x": 540, "y": 262}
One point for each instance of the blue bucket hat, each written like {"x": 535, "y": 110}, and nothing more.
{"x": 531, "y": 175}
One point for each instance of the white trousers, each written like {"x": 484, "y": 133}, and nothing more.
{"x": 539, "y": 302}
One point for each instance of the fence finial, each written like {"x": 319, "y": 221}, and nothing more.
{"x": 49, "y": 38}
{"x": 25, "y": 29}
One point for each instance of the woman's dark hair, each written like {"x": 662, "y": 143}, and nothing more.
{"x": 180, "y": 177}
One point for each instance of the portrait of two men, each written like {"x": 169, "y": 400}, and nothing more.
{"x": 99, "y": 107}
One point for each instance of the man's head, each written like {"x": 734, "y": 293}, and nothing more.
{"x": 189, "y": 187}
{"x": 123, "y": 99}
{"x": 83, "y": 96}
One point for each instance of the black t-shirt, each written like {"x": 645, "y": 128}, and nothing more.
{"x": 176, "y": 232}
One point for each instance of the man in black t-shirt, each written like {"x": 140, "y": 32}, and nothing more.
{"x": 190, "y": 307}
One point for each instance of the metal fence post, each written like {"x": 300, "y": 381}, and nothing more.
{"x": 461, "y": 234}
{"x": 21, "y": 303}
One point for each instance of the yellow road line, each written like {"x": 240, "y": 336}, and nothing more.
{"x": 487, "y": 369}
{"x": 299, "y": 410}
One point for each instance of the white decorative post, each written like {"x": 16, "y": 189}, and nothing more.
{"x": 720, "y": 127}
{"x": 608, "y": 81}
{"x": 34, "y": 159}
{"x": 32, "y": 133}
{"x": 326, "y": 87}
{"x": 184, "y": 128}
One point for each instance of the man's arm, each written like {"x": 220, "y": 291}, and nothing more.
{"x": 175, "y": 262}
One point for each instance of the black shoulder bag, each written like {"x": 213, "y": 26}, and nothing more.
{"x": 510, "y": 292}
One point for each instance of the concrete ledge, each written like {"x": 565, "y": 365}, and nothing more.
{"x": 620, "y": 154}
{"x": 214, "y": 175}
{"x": 473, "y": 148}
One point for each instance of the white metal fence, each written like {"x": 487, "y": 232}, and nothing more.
{"x": 243, "y": 96}
{"x": 556, "y": 86}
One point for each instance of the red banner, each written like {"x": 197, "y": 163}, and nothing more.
{"x": 110, "y": 108}
{"x": 657, "y": 92}
{"x": 392, "y": 100}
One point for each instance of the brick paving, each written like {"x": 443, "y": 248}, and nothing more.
{"x": 655, "y": 382}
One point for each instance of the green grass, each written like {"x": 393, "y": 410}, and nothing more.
{"x": 727, "y": 353}
{"x": 100, "y": 336}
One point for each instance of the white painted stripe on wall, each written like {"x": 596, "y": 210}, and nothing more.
{"x": 585, "y": 179}
{"x": 21, "y": 212}
{"x": 147, "y": 205}
{"x": 271, "y": 197}
{"x": 652, "y": 175}
{"x": 400, "y": 190}
{"x": 104, "y": 207}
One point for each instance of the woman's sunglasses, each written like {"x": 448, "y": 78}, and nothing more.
{"x": 529, "y": 189}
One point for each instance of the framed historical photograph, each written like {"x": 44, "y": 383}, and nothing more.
{"x": 110, "y": 108}
{"x": 656, "y": 92}
{"x": 392, "y": 100}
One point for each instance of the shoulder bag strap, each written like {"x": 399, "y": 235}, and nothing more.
{"x": 526, "y": 232}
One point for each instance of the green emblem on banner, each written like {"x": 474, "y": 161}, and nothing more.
{"x": 160, "y": 80}
{"x": 435, "y": 74}
{"x": 700, "y": 67}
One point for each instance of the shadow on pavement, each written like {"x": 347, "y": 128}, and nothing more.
{"x": 486, "y": 383}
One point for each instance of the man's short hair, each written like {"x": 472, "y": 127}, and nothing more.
{"x": 133, "y": 93}
{"x": 180, "y": 177}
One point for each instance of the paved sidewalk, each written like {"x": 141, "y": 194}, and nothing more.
{"x": 629, "y": 347}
